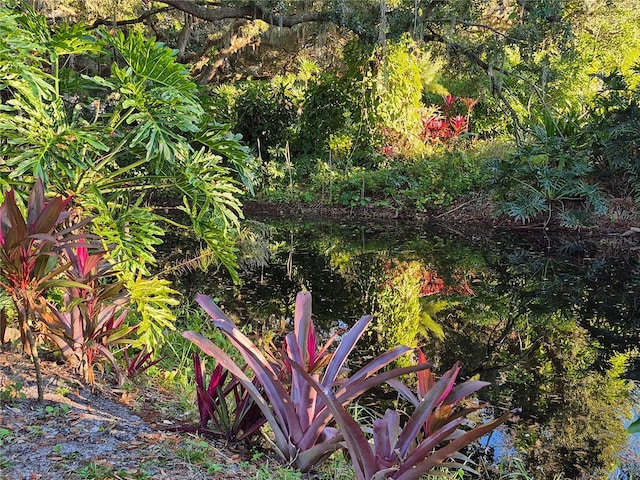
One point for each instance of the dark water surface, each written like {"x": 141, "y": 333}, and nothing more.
{"x": 552, "y": 323}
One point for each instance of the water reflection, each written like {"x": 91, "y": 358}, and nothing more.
{"x": 552, "y": 324}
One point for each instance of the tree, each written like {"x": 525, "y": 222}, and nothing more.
{"x": 531, "y": 52}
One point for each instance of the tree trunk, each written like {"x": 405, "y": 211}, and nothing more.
{"x": 183, "y": 37}
{"x": 29, "y": 345}
{"x": 36, "y": 363}
{"x": 23, "y": 325}
{"x": 3, "y": 326}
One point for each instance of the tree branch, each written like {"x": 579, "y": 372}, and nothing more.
{"x": 467, "y": 23}
{"x": 248, "y": 12}
{"x": 489, "y": 70}
{"x": 133, "y": 21}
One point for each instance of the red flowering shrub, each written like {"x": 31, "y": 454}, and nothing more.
{"x": 449, "y": 124}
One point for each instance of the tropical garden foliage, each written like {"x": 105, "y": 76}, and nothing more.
{"x": 109, "y": 139}
{"x": 540, "y": 325}
{"x": 302, "y": 396}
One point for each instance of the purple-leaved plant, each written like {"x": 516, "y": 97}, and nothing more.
{"x": 298, "y": 415}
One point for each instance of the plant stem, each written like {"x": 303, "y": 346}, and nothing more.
{"x": 36, "y": 363}
{"x": 3, "y": 326}
{"x": 330, "y": 178}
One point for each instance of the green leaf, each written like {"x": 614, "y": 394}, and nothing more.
{"x": 634, "y": 427}
{"x": 162, "y": 99}
{"x": 153, "y": 299}
{"x": 130, "y": 232}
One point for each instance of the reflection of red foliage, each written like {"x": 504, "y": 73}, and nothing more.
{"x": 430, "y": 282}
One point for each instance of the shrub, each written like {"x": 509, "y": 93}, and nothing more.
{"x": 616, "y": 134}
{"x": 303, "y": 397}
{"x": 94, "y": 311}
{"x": 327, "y": 113}
{"x": 431, "y": 437}
{"x": 113, "y": 139}
{"x": 225, "y": 406}
{"x": 264, "y": 116}
{"x": 553, "y": 174}
{"x": 30, "y": 257}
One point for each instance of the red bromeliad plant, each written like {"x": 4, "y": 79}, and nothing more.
{"x": 299, "y": 417}
{"x": 30, "y": 257}
{"x": 459, "y": 125}
{"x": 431, "y": 438}
{"x": 469, "y": 104}
{"x": 435, "y": 128}
{"x": 426, "y": 381}
{"x": 226, "y": 408}
{"x": 447, "y": 104}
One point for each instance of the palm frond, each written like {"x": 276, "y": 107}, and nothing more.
{"x": 220, "y": 141}
{"x": 42, "y": 139}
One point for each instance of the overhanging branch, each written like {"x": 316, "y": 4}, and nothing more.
{"x": 248, "y": 12}
{"x": 133, "y": 21}
{"x": 480, "y": 26}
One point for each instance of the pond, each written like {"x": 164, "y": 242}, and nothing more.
{"x": 553, "y": 323}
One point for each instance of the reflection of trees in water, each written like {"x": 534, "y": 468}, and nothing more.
{"x": 610, "y": 307}
{"x": 543, "y": 327}
{"x": 575, "y": 409}
{"x": 525, "y": 331}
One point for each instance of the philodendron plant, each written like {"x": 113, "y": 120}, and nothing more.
{"x": 299, "y": 419}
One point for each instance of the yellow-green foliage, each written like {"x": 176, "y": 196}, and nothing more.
{"x": 428, "y": 324}
{"x": 406, "y": 71}
{"x": 154, "y": 301}
{"x": 607, "y": 39}
{"x": 398, "y": 309}
{"x": 609, "y": 36}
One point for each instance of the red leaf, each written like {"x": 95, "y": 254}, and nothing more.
{"x": 426, "y": 379}
{"x": 37, "y": 202}
{"x": 47, "y": 218}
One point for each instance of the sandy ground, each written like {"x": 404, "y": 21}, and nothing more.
{"x": 77, "y": 433}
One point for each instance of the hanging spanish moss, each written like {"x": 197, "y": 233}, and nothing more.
{"x": 382, "y": 35}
